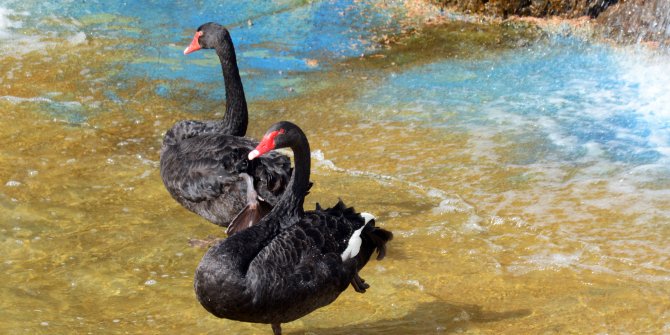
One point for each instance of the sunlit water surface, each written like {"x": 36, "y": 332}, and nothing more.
{"x": 525, "y": 175}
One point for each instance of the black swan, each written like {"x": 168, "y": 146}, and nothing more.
{"x": 291, "y": 262}
{"x": 204, "y": 164}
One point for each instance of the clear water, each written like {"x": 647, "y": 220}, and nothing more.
{"x": 525, "y": 175}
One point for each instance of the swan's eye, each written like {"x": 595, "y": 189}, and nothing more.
{"x": 195, "y": 44}
{"x": 271, "y": 135}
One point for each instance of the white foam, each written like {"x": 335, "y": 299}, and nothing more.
{"x": 11, "y": 23}
{"x": 321, "y": 160}
{"x": 649, "y": 73}
{"x": 472, "y": 225}
{"x": 544, "y": 260}
{"x": 447, "y": 201}
{"x": 13, "y": 183}
{"x": 451, "y": 205}
{"x": 17, "y": 100}
{"x": 416, "y": 283}
{"x": 20, "y": 43}
{"x": 6, "y": 23}
{"x": 72, "y": 105}
{"x": 77, "y": 38}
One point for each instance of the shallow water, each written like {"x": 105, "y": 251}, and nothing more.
{"x": 525, "y": 175}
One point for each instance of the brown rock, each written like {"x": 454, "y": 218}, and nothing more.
{"x": 638, "y": 20}
{"x": 538, "y": 8}
{"x": 624, "y": 20}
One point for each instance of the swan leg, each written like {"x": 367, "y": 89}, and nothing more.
{"x": 276, "y": 328}
{"x": 252, "y": 196}
{"x": 359, "y": 283}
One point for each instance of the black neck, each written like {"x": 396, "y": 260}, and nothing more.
{"x": 241, "y": 248}
{"x": 289, "y": 208}
{"x": 236, "y": 118}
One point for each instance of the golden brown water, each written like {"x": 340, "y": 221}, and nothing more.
{"x": 92, "y": 242}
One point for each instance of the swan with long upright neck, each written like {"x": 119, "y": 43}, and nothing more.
{"x": 204, "y": 164}
{"x": 217, "y": 37}
{"x": 291, "y": 262}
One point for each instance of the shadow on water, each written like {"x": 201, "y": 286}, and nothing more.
{"x": 428, "y": 317}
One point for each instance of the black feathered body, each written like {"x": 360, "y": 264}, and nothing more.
{"x": 200, "y": 168}
{"x": 201, "y": 161}
{"x": 291, "y": 262}
{"x": 273, "y": 274}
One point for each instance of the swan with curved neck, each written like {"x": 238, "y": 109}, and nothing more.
{"x": 203, "y": 163}
{"x": 292, "y": 261}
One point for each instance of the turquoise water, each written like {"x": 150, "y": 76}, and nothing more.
{"x": 524, "y": 173}
{"x": 575, "y": 93}
{"x": 272, "y": 40}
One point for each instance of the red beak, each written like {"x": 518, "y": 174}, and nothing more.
{"x": 267, "y": 144}
{"x": 194, "y": 46}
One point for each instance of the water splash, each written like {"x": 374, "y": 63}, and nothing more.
{"x": 574, "y": 95}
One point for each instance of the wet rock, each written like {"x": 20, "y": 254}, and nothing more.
{"x": 625, "y": 20}
{"x": 538, "y": 8}
{"x": 638, "y": 20}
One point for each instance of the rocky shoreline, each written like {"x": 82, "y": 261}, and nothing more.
{"x": 535, "y": 8}
{"x": 626, "y": 21}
